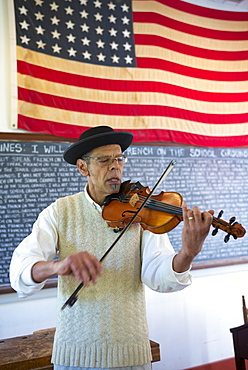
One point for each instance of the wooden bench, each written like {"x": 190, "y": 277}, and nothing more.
{"x": 34, "y": 351}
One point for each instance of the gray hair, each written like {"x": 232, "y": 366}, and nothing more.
{"x": 86, "y": 157}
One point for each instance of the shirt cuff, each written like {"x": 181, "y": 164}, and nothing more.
{"x": 183, "y": 277}
{"x": 26, "y": 277}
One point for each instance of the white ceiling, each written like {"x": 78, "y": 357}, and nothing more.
{"x": 233, "y": 5}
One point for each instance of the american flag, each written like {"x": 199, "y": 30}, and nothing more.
{"x": 165, "y": 70}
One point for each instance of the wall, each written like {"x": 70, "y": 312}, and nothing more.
{"x": 191, "y": 326}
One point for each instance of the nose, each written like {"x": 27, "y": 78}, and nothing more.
{"x": 114, "y": 163}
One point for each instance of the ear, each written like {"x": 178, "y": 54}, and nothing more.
{"x": 82, "y": 167}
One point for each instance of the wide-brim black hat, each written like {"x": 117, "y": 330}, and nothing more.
{"x": 94, "y": 138}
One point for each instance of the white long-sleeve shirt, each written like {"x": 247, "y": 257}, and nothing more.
{"x": 41, "y": 245}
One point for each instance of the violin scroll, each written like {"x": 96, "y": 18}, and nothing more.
{"x": 232, "y": 228}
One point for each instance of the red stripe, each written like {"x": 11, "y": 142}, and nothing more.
{"x": 49, "y": 127}
{"x": 142, "y": 17}
{"x": 190, "y": 71}
{"x": 204, "y": 12}
{"x": 74, "y": 131}
{"x": 190, "y": 50}
{"x": 127, "y": 109}
{"x": 111, "y": 85}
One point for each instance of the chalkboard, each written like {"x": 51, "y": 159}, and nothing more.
{"x": 33, "y": 174}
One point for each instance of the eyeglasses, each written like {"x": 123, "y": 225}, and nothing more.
{"x": 106, "y": 161}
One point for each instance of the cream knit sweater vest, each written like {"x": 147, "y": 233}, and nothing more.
{"x": 107, "y": 326}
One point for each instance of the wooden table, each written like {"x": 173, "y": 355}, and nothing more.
{"x": 34, "y": 351}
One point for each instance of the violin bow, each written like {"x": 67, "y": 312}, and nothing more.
{"x": 73, "y": 298}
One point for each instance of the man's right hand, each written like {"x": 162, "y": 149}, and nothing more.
{"x": 82, "y": 265}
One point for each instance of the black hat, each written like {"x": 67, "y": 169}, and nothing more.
{"x": 94, "y": 138}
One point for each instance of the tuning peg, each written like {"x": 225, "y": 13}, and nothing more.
{"x": 234, "y": 223}
{"x": 232, "y": 219}
{"x": 220, "y": 213}
{"x": 227, "y": 237}
{"x": 214, "y": 232}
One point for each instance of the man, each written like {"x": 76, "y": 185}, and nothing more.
{"x": 107, "y": 326}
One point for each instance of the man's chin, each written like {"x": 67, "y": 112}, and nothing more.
{"x": 115, "y": 187}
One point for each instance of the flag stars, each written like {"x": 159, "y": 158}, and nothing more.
{"x": 115, "y": 59}
{"x": 114, "y": 45}
{"x": 126, "y": 33}
{"x": 112, "y": 19}
{"x": 70, "y": 25}
{"x": 125, "y": 20}
{"x": 111, "y": 6}
{"x": 24, "y": 39}
{"x": 85, "y": 41}
{"x": 84, "y": 14}
{"x": 56, "y": 48}
{"x": 127, "y": 46}
{"x": 24, "y": 25}
{"x": 97, "y": 4}
{"x": 40, "y": 30}
{"x": 99, "y": 30}
{"x": 109, "y": 33}
{"x": 86, "y": 55}
{"x": 38, "y": 2}
{"x": 113, "y": 32}
{"x": 40, "y": 44}
{"x": 39, "y": 16}
{"x": 85, "y": 28}
{"x": 100, "y": 44}
{"x": 98, "y": 17}
{"x": 72, "y": 52}
{"x": 71, "y": 38}
{"x": 55, "y": 20}
{"x": 101, "y": 57}
{"x": 23, "y": 10}
{"x": 54, "y": 6}
{"x": 128, "y": 59}
{"x": 55, "y": 34}
{"x": 125, "y": 8}
{"x": 69, "y": 11}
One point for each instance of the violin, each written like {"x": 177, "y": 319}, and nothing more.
{"x": 161, "y": 214}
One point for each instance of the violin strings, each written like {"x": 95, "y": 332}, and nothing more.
{"x": 169, "y": 208}
{"x": 221, "y": 222}
{"x": 164, "y": 207}
{"x": 160, "y": 206}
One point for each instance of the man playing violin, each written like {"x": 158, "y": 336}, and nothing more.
{"x": 107, "y": 326}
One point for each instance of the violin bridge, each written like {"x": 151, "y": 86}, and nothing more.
{"x": 133, "y": 200}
